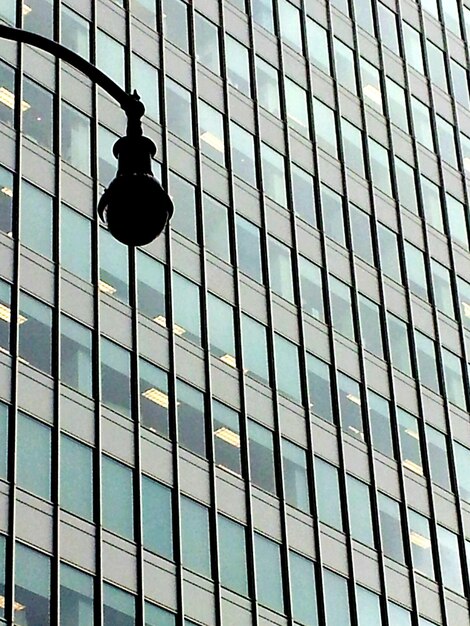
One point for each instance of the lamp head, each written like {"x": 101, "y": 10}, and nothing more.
{"x": 135, "y": 206}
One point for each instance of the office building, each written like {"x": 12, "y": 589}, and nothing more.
{"x": 261, "y": 418}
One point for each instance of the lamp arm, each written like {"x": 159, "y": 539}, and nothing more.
{"x": 130, "y": 103}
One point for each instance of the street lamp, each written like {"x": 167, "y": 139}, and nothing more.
{"x": 135, "y": 206}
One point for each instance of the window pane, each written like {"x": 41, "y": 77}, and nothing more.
{"x": 227, "y": 438}
{"x": 371, "y": 326}
{"x": 117, "y": 498}
{"x": 303, "y": 194}
{"x": 76, "y": 129}
{"x": 294, "y": 462}
{"x": 238, "y": 65}
{"x": 421, "y": 544}
{"x": 438, "y": 457}
{"x": 232, "y": 554}
{"x": 449, "y": 556}
{"x": 379, "y": 416}
{"x": 287, "y": 368}
{"x": 155, "y": 616}
{"x": 280, "y": 265}
{"x": 33, "y": 464}
{"x": 195, "y": 523}
{"x": 409, "y": 441}
{"x": 268, "y": 85}
{"x": 183, "y": 195}
{"x": 154, "y": 400}
{"x": 175, "y": 22}
{"x": 207, "y": 43}
{"x": 368, "y": 607}
{"x": 151, "y": 288}
{"x": 399, "y": 343}
{"x": 221, "y": 330}
{"x": 157, "y": 518}
{"x": 110, "y": 57}
{"x": 145, "y": 80}
{"x": 462, "y": 465}
{"x": 36, "y": 220}
{"x": 76, "y": 365}
{"x": 268, "y": 573}
{"x": 249, "y": 249}
{"x": 311, "y": 288}
{"x": 37, "y": 117}
{"x": 6, "y": 194}
{"x": 115, "y": 377}
{"x": 191, "y": 418}
{"x": 361, "y": 234}
{"x": 274, "y": 178}
{"x": 243, "y": 154}
{"x": 350, "y": 406}
{"x": 76, "y": 477}
{"x": 216, "y": 228}
{"x": 255, "y": 351}
{"x": 317, "y": 38}
{"x": 5, "y": 316}
{"x": 319, "y": 387}
{"x": 75, "y": 32}
{"x": 32, "y": 587}
{"x": 453, "y": 378}
{"x": 114, "y": 271}
{"x": 261, "y": 449}
{"x": 336, "y": 599}
{"x": 332, "y": 206}
{"x": 427, "y": 367}
{"x": 76, "y": 597}
{"x": 328, "y": 498}
{"x": 341, "y": 308}
{"x": 390, "y": 528}
{"x": 211, "y": 132}
{"x": 389, "y": 258}
{"x": 359, "y": 508}
{"x": 118, "y": 607}
{"x": 35, "y": 330}
{"x": 178, "y": 107}
{"x": 4, "y": 410}
{"x": 304, "y": 598}
{"x": 188, "y": 319}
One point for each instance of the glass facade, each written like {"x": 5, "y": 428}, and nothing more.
{"x": 262, "y": 417}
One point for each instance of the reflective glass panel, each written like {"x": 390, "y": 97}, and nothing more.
{"x": 226, "y": 437}
{"x": 35, "y": 333}
{"x": 76, "y": 364}
{"x": 191, "y": 418}
{"x": 154, "y": 399}
{"x": 32, "y": 587}
{"x": 76, "y": 597}
{"x": 76, "y": 477}
{"x": 33, "y": 461}
{"x": 157, "y": 517}
{"x": 117, "y": 498}
{"x": 261, "y": 456}
{"x": 36, "y": 219}
{"x": 195, "y": 537}
{"x": 115, "y": 377}
{"x": 268, "y": 573}
{"x": 232, "y": 554}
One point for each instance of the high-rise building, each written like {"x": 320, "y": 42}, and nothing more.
{"x": 261, "y": 418}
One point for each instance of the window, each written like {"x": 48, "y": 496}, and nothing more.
{"x": 268, "y": 573}
{"x": 437, "y": 68}
{"x": 267, "y": 78}
{"x": 118, "y": 607}
{"x": 364, "y": 16}
{"x": 115, "y": 377}
{"x": 325, "y": 127}
{"x": 106, "y": 160}
{"x": 311, "y": 288}
{"x": 380, "y": 166}
{"x": 221, "y": 330}
{"x": 33, "y": 456}
{"x": 4, "y": 414}
{"x": 333, "y": 218}
{"x": 243, "y": 154}
{"x": 7, "y": 80}
{"x": 446, "y": 136}
{"x": 37, "y": 116}
{"x": 336, "y": 599}
{"x": 183, "y": 194}
{"x": 35, "y": 333}
{"x": 379, "y": 417}
{"x": 361, "y": 234}
{"x": 151, "y": 288}
{"x": 327, "y": 492}
{"x": 186, "y": 319}
{"x": 319, "y": 387}
{"x": 154, "y": 399}
{"x": 76, "y": 596}
{"x": 76, "y": 477}
{"x": 371, "y": 327}
{"x": 406, "y": 182}
{"x": 397, "y": 104}
{"x": 280, "y": 265}
{"x": 438, "y": 457}
{"x": 175, "y": 23}
{"x": 345, "y": 67}
{"x": 352, "y": 147}
{"x": 75, "y": 236}
{"x": 399, "y": 343}
{"x": 399, "y": 616}
{"x": 456, "y": 215}
{"x": 453, "y": 378}
{"x": 76, "y": 129}
{"x": 462, "y": 460}
{"x": 318, "y": 52}
{"x": 145, "y": 79}
{"x": 255, "y": 349}
{"x": 75, "y": 32}
{"x": 232, "y": 555}
{"x": 289, "y": 21}
{"x": 117, "y": 497}
{"x": 389, "y": 259}
{"x": 432, "y": 203}
{"x": 350, "y": 406}
{"x": 287, "y": 368}
{"x": 5, "y": 316}
{"x": 427, "y": 366}
{"x": 155, "y": 616}
{"x": 191, "y": 418}
{"x": 360, "y": 517}
{"x": 226, "y": 438}
{"x": 238, "y": 65}
{"x": 449, "y": 556}
{"x": 179, "y": 103}
{"x": 76, "y": 364}
{"x": 32, "y": 587}
{"x": 441, "y": 281}
{"x": 195, "y": 524}
{"x": 371, "y": 87}
{"x": 390, "y": 528}
{"x": 304, "y": 597}
{"x": 157, "y": 518}
{"x": 274, "y": 177}
{"x": 294, "y": 462}
{"x": 249, "y": 249}
{"x": 421, "y": 547}
{"x": 460, "y": 83}
{"x": 207, "y": 43}
{"x": 263, "y": 14}
{"x": 261, "y": 449}
{"x": 368, "y": 607}
{"x": 422, "y": 123}
{"x": 296, "y": 106}
{"x": 341, "y": 308}
{"x": 303, "y": 194}
{"x": 413, "y": 49}
{"x": 114, "y": 270}
{"x": 36, "y": 219}
{"x": 6, "y": 197}
{"x": 110, "y": 57}
{"x": 211, "y": 132}
{"x": 216, "y": 228}
{"x": 408, "y": 429}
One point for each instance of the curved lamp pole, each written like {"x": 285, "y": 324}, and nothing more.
{"x": 135, "y": 206}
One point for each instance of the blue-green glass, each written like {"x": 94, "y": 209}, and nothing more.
{"x": 341, "y": 308}
{"x": 287, "y": 368}
{"x": 421, "y": 546}
{"x": 359, "y": 509}
{"x": 226, "y": 423}
{"x": 40, "y": 18}
{"x": 2, "y": 570}
{"x": 118, "y": 607}
{"x": 187, "y": 317}
{"x": 176, "y": 23}
{"x": 32, "y": 587}
{"x": 76, "y": 363}
{"x": 249, "y": 249}
{"x": 179, "y": 109}
{"x": 380, "y": 425}
{"x": 328, "y": 499}
{"x": 36, "y": 220}
{"x": 155, "y": 616}
{"x": 118, "y": 511}
{"x": 157, "y": 517}
{"x": 319, "y": 387}
{"x": 115, "y": 377}
{"x": 232, "y": 556}
{"x": 76, "y": 597}
{"x": 207, "y": 43}
{"x": 183, "y": 194}
{"x": 453, "y": 378}
{"x": 151, "y": 288}
{"x": 398, "y": 616}
{"x": 191, "y": 418}
{"x": 255, "y": 350}
{"x": 35, "y": 330}
{"x": 154, "y": 400}
{"x": 350, "y": 403}
{"x": 268, "y": 573}
{"x": 261, "y": 449}
{"x": 37, "y": 118}
{"x": 311, "y": 288}
{"x": 6, "y": 185}
{"x": 410, "y": 442}
{"x": 274, "y": 175}
{"x": 76, "y": 131}
{"x": 368, "y": 607}
{"x": 399, "y": 343}
{"x": 7, "y": 11}
{"x": 388, "y": 247}
{"x": 33, "y": 462}
{"x": 303, "y": 590}
{"x": 221, "y": 330}
{"x": 391, "y": 528}
{"x": 3, "y": 440}
{"x": 216, "y": 228}
{"x": 449, "y": 557}
{"x": 106, "y": 159}
{"x": 280, "y": 269}
{"x": 75, "y": 248}
{"x": 114, "y": 269}
{"x": 145, "y": 80}
{"x": 294, "y": 462}
{"x": 195, "y": 537}
{"x": 110, "y": 56}
{"x": 462, "y": 466}
{"x": 76, "y": 477}
{"x": 5, "y": 318}
{"x": 427, "y": 366}
{"x": 75, "y": 32}
{"x": 336, "y": 599}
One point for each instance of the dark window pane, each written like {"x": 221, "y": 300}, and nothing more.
{"x": 195, "y": 537}
{"x": 32, "y": 587}
{"x": 36, "y": 220}
{"x": 154, "y": 400}
{"x": 75, "y": 247}
{"x": 261, "y": 457}
{"x": 227, "y": 437}
{"x": 115, "y": 377}
{"x": 76, "y": 477}
{"x": 76, "y": 597}
{"x": 191, "y": 418}
{"x": 118, "y": 510}
{"x": 35, "y": 330}
{"x": 76, "y": 364}
{"x": 157, "y": 517}
{"x": 37, "y": 117}
{"x": 118, "y": 607}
